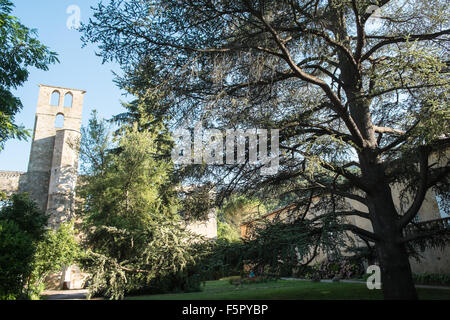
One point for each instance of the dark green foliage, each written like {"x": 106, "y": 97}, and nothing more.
{"x": 285, "y": 246}
{"x": 430, "y": 234}
{"x": 28, "y": 250}
{"x": 197, "y": 203}
{"x": 183, "y": 281}
{"x": 135, "y": 239}
{"x": 220, "y": 259}
{"x": 16, "y": 257}
{"x": 277, "y": 248}
{"x": 26, "y": 214}
{"x": 363, "y": 253}
{"x": 20, "y": 50}
{"x": 432, "y": 279}
{"x": 22, "y": 227}
{"x": 305, "y": 272}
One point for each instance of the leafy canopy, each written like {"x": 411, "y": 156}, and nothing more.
{"x": 29, "y": 250}
{"x": 20, "y": 50}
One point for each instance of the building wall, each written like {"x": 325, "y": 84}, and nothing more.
{"x": 433, "y": 260}
{"x": 10, "y": 181}
{"x": 63, "y": 179}
{"x": 53, "y": 164}
{"x": 206, "y": 228}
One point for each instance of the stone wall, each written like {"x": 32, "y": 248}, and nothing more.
{"x": 10, "y": 181}
{"x": 63, "y": 177}
{"x": 53, "y": 164}
{"x": 433, "y": 260}
{"x": 206, "y": 228}
{"x": 36, "y": 184}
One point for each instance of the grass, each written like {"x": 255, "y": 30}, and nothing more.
{"x": 289, "y": 290}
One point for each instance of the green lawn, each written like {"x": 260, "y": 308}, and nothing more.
{"x": 288, "y": 290}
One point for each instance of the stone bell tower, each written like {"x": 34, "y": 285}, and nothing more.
{"x": 53, "y": 164}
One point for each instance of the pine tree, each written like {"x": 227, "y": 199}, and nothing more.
{"x": 132, "y": 229}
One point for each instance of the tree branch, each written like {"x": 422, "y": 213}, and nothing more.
{"x": 343, "y": 214}
{"x": 392, "y": 40}
{"x": 338, "y": 107}
{"x": 361, "y": 232}
{"x": 388, "y": 130}
{"x": 423, "y": 235}
{"x": 423, "y": 187}
{"x": 360, "y": 31}
{"x": 400, "y": 139}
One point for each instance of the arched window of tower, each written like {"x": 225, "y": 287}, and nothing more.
{"x": 59, "y": 121}
{"x": 55, "y": 98}
{"x": 68, "y": 99}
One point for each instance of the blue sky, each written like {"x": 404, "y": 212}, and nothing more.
{"x": 79, "y": 68}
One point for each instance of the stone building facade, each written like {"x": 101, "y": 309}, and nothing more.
{"x": 53, "y": 163}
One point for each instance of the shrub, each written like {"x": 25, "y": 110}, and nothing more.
{"x": 233, "y": 279}
{"x": 22, "y": 226}
{"x": 246, "y": 280}
{"x": 345, "y": 268}
{"x": 432, "y": 279}
{"x": 58, "y": 248}
{"x": 286, "y": 269}
{"x": 220, "y": 259}
{"x": 174, "y": 283}
{"x": 261, "y": 279}
{"x": 26, "y": 214}
{"x": 17, "y": 251}
{"x": 28, "y": 251}
{"x": 304, "y": 271}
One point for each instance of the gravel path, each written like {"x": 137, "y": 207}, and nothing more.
{"x": 65, "y": 295}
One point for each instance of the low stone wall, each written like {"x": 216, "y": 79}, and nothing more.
{"x": 10, "y": 181}
{"x": 206, "y": 228}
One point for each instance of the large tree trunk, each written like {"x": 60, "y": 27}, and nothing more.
{"x": 396, "y": 275}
